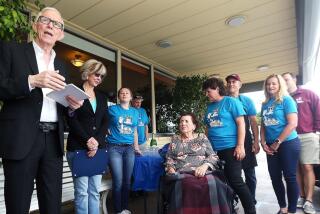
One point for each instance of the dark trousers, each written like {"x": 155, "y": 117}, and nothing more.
{"x": 43, "y": 163}
{"x": 285, "y": 161}
{"x": 232, "y": 171}
{"x": 251, "y": 181}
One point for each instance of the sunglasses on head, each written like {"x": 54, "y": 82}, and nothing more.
{"x": 99, "y": 75}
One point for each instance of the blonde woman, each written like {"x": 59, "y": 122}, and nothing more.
{"x": 88, "y": 127}
{"x": 280, "y": 141}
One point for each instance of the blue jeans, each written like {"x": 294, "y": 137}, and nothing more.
{"x": 86, "y": 191}
{"x": 251, "y": 181}
{"x": 121, "y": 161}
{"x": 285, "y": 161}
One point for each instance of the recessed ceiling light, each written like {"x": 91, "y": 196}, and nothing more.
{"x": 263, "y": 67}
{"x": 235, "y": 21}
{"x": 164, "y": 43}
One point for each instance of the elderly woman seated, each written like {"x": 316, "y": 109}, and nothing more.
{"x": 190, "y": 185}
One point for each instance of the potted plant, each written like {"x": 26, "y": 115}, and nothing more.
{"x": 14, "y": 22}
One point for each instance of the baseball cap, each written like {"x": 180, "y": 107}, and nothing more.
{"x": 234, "y": 76}
{"x": 138, "y": 97}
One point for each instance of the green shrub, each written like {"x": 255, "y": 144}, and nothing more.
{"x": 189, "y": 97}
{"x": 14, "y": 21}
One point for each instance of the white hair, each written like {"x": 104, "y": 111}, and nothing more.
{"x": 46, "y": 9}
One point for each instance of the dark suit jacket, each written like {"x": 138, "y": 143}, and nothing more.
{"x": 85, "y": 124}
{"x": 20, "y": 114}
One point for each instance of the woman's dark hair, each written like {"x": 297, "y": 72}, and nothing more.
{"x": 193, "y": 118}
{"x": 215, "y": 83}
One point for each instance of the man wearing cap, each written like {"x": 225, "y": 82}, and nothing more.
{"x": 308, "y": 104}
{"x": 143, "y": 121}
{"x": 251, "y": 145}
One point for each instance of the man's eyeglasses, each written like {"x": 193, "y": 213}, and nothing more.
{"x": 98, "y": 75}
{"x": 46, "y": 20}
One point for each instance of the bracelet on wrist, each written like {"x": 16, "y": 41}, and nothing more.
{"x": 277, "y": 141}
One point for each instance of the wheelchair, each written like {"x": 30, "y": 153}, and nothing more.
{"x": 172, "y": 200}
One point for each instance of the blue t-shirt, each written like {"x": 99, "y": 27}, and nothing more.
{"x": 248, "y": 105}
{"x": 122, "y": 123}
{"x": 220, "y": 119}
{"x": 142, "y": 122}
{"x": 274, "y": 117}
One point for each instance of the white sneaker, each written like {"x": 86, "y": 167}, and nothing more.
{"x": 301, "y": 202}
{"x": 126, "y": 212}
{"x": 308, "y": 207}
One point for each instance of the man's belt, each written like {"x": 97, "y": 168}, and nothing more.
{"x": 48, "y": 126}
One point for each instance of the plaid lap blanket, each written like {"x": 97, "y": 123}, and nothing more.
{"x": 191, "y": 195}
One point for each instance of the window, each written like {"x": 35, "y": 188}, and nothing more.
{"x": 72, "y": 45}
{"x": 136, "y": 76}
{"x": 163, "y": 96}
{"x": 67, "y": 53}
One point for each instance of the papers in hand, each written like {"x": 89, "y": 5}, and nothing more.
{"x": 69, "y": 90}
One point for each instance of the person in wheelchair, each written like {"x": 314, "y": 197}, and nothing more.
{"x": 190, "y": 181}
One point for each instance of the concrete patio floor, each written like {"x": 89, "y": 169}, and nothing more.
{"x": 266, "y": 199}
{"x": 266, "y": 204}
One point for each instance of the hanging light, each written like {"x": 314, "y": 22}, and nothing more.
{"x": 77, "y": 61}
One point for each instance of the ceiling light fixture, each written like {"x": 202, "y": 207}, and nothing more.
{"x": 235, "y": 21}
{"x": 77, "y": 61}
{"x": 263, "y": 67}
{"x": 164, "y": 43}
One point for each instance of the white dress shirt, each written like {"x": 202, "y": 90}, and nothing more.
{"x": 49, "y": 106}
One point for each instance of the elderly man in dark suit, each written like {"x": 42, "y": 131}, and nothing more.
{"x": 31, "y": 136}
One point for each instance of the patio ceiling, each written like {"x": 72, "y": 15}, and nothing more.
{"x": 201, "y": 41}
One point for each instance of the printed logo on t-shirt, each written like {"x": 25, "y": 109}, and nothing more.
{"x": 299, "y": 100}
{"x": 140, "y": 122}
{"x": 214, "y": 119}
{"x": 268, "y": 118}
{"x": 124, "y": 125}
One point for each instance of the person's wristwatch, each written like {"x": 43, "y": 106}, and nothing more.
{"x": 277, "y": 141}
